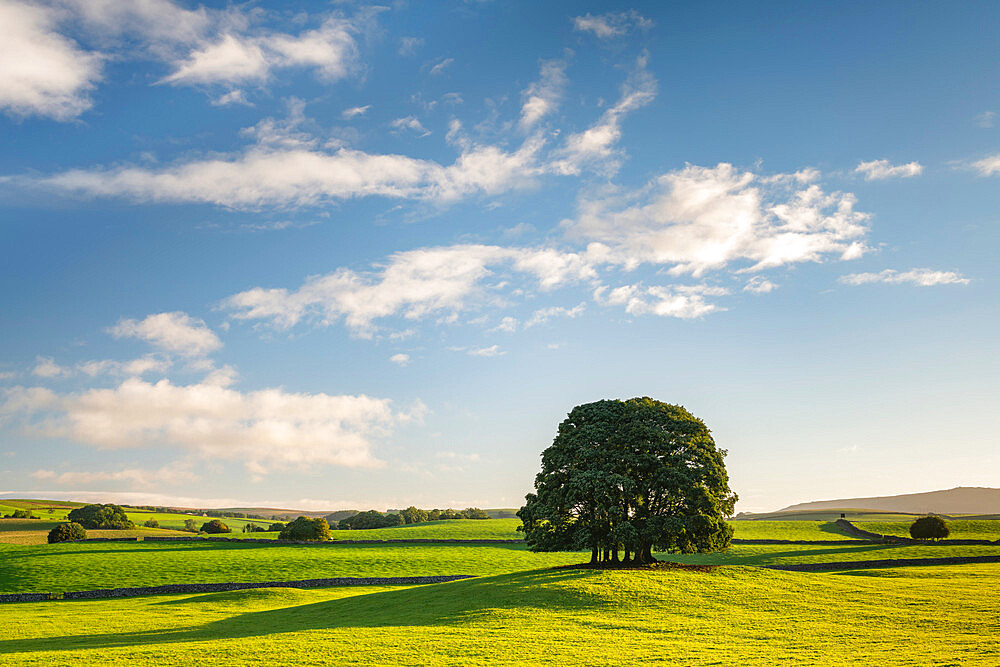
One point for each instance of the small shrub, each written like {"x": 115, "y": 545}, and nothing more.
{"x": 929, "y": 528}
{"x": 215, "y": 527}
{"x": 276, "y": 527}
{"x": 65, "y": 532}
{"x": 151, "y": 523}
{"x": 190, "y": 526}
{"x": 305, "y": 528}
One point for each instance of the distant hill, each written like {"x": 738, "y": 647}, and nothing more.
{"x": 960, "y": 500}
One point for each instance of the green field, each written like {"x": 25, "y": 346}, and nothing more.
{"x": 788, "y": 530}
{"x": 960, "y": 529}
{"x": 723, "y": 616}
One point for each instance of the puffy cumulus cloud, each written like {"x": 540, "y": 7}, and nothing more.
{"x": 41, "y": 71}
{"x": 698, "y": 219}
{"x": 919, "y": 277}
{"x": 238, "y": 59}
{"x": 138, "y": 477}
{"x": 612, "y": 24}
{"x": 46, "y": 367}
{"x": 878, "y": 170}
{"x": 542, "y": 97}
{"x": 400, "y": 359}
{"x": 988, "y": 166}
{"x": 680, "y": 301}
{"x": 175, "y": 332}
{"x": 412, "y": 284}
{"x": 265, "y": 429}
{"x": 596, "y": 147}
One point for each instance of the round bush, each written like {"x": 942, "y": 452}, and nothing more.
{"x": 104, "y": 517}
{"x": 151, "y": 523}
{"x": 305, "y": 528}
{"x": 215, "y": 526}
{"x": 65, "y": 532}
{"x": 929, "y": 528}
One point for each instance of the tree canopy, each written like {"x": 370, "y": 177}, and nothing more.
{"x": 633, "y": 476}
{"x": 65, "y": 532}
{"x": 305, "y": 528}
{"x": 370, "y": 519}
{"x": 103, "y": 517}
{"x": 215, "y": 527}
{"x": 929, "y": 528}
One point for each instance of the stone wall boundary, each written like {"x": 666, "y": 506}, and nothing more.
{"x": 886, "y": 562}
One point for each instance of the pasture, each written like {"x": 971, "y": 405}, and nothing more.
{"x": 520, "y": 607}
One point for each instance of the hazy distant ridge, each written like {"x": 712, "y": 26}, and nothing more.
{"x": 960, "y": 500}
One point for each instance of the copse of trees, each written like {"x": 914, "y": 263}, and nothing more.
{"x": 151, "y": 523}
{"x": 215, "y": 527}
{"x": 306, "y": 528}
{"x": 254, "y": 528}
{"x": 101, "y": 517}
{"x": 413, "y": 515}
{"x": 370, "y": 519}
{"x": 190, "y": 525}
{"x": 65, "y": 532}
{"x": 277, "y": 526}
{"x": 21, "y": 514}
{"x": 929, "y": 528}
{"x": 630, "y": 476}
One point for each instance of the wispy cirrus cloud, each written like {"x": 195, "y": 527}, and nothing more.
{"x": 918, "y": 277}
{"x": 611, "y": 25}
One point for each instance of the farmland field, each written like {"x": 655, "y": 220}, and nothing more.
{"x": 960, "y": 529}
{"x": 727, "y": 615}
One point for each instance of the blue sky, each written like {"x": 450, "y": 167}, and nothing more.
{"x": 327, "y": 255}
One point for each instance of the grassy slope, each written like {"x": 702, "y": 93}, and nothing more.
{"x": 487, "y": 529}
{"x": 787, "y": 530}
{"x": 53, "y": 568}
{"x": 960, "y": 529}
{"x": 726, "y": 616}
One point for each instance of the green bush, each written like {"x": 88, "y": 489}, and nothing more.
{"x": 277, "y": 526}
{"x": 305, "y": 528}
{"x": 475, "y": 513}
{"x": 929, "y": 528}
{"x": 104, "y": 517}
{"x": 22, "y": 514}
{"x": 190, "y": 526}
{"x": 65, "y": 532}
{"x": 370, "y": 519}
{"x": 151, "y": 523}
{"x": 215, "y": 527}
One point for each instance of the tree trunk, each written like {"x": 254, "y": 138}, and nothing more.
{"x": 614, "y": 554}
{"x": 593, "y": 556}
{"x": 626, "y": 559}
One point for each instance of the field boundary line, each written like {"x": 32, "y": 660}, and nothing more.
{"x": 851, "y": 529}
{"x": 886, "y": 562}
{"x": 166, "y": 589}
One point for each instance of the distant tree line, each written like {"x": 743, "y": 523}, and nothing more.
{"x": 375, "y": 519}
{"x": 214, "y": 513}
{"x": 21, "y": 514}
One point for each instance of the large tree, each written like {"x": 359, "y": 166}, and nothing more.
{"x": 102, "y": 517}
{"x": 630, "y": 476}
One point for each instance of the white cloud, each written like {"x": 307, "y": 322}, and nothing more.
{"x": 543, "y": 315}
{"x": 596, "y": 146}
{"x": 491, "y": 351}
{"x": 400, "y": 358}
{"x": 229, "y": 60}
{"x": 919, "y": 277}
{"x": 232, "y": 97}
{"x": 698, "y": 219}
{"x": 409, "y": 45}
{"x": 412, "y": 284}
{"x": 988, "y": 166}
{"x": 409, "y": 123}
{"x": 46, "y": 367}
{"x": 354, "y": 112}
{"x": 986, "y": 119}
{"x": 441, "y": 65}
{"x": 135, "y": 367}
{"x": 612, "y": 24}
{"x": 542, "y": 97}
{"x": 681, "y": 301}
{"x": 759, "y": 285}
{"x": 42, "y": 72}
{"x": 175, "y": 332}
{"x": 263, "y": 429}
{"x": 138, "y": 477}
{"x": 877, "y": 170}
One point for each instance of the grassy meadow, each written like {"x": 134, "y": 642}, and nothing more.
{"x": 517, "y": 609}
{"x": 961, "y": 529}
{"x": 734, "y": 615}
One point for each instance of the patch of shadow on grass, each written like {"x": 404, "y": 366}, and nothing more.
{"x": 453, "y": 603}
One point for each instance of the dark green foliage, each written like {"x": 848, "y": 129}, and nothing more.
{"x": 151, "y": 523}
{"x": 450, "y": 514}
{"x": 21, "y": 514}
{"x": 413, "y": 515}
{"x": 214, "y": 527}
{"x": 255, "y": 528}
{"x": 630, "y": 475}
{"x": 103, "y": 517}
{"x": 277, "y": 526}
{"x": 929, "y": 528}
{"x": 305, "y": 528}
{"x": 370, "y": 519}
{"x": 475, "y": 513}
{"x": 67, "y": 531}
{"x": 190, "y": 526}
{"x": 333, "y": 517}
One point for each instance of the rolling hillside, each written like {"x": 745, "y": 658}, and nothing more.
{"x": 960, "y": 500}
